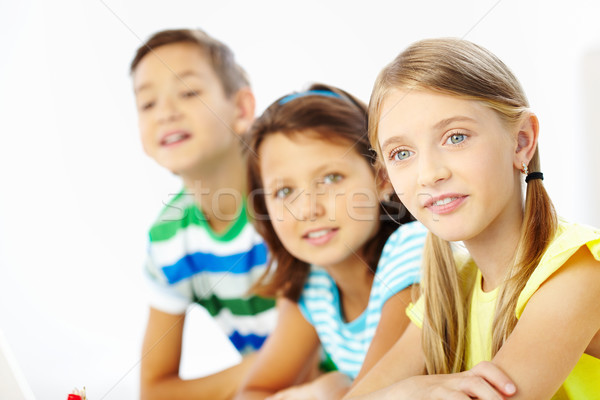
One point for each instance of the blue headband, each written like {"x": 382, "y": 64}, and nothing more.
{"x": 325, "y": 93}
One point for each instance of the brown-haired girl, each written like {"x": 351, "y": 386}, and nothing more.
{"x": 318, "y": 203}
{"x": 520, "y": 316}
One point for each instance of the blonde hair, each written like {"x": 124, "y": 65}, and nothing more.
{"x": 463, "y": 69}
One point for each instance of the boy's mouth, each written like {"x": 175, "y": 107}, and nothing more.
{"x": 174, "y": 137}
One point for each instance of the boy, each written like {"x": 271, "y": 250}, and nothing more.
{"x": 193, "y": 102}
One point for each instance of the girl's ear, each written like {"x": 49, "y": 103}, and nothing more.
{"x": 527, "y": 139}
{"x": 245, "y": 105}
{"x": 384, "y": 186}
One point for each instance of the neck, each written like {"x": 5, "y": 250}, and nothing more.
{"x": 219, "y": 189}
{"x": 353, "y": 279}
{"x": 494, "y": 249}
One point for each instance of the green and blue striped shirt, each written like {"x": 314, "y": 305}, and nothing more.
{"x": 188, "y": 263}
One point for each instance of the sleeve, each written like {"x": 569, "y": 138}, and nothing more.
{"x": 416, "y": 311}
{"x": 161, "y": 295}
{"x": 400, "y": 262}
{"x": 318, "y": 297}
{"x": 570, "y": 238}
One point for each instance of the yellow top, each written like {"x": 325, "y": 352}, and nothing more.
{"x": 584, "y": 380}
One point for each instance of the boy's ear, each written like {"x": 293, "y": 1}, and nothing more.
{"x": 527, "y": 140}
{"x": 245, "y": 106}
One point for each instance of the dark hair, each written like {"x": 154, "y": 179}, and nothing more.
{"x": 220, "y": 56}
{"x": 338, "y": 118}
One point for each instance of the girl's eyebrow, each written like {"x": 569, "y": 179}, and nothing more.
{"x": 319, "y": 169}
{"x": 459, "y": 118}
{"x": 330, "y": 164}
{"x": 439, "y": 125}
{"x": 274, "y": 182}
{"x": 393, "y": 139}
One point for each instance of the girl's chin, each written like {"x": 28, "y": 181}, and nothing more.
{"x": 448, "y": 233}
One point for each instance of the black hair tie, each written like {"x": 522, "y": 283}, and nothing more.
{"x": 534, "y": 175}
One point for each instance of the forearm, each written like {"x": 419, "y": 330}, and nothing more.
{"x": 220, "y": 386}
{"x": 249, "y": 394}
{"x": 332, "y": 386}
{"x": 383, "y": 389}
{"x": 404, "y": 360}
{"x": 397, "y": 390}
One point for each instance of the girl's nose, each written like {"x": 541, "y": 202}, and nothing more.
{"x": 310, "y": 205}
{"x": 432, "y": 170}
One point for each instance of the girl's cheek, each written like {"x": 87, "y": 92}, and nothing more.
{"x": 362, "y": 205}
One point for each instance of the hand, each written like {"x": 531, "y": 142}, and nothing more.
{"x": 300, "y": 392}
{"x": 330, "y": 386}
{"x": 485, "y": 381}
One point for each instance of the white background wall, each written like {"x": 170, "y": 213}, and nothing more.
{"x": 78, "y": 194}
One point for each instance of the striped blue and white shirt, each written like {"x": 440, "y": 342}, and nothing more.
{"x": 347, "y": 342}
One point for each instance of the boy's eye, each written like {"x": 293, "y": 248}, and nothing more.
{"x": 332, "y": 178}
{"x": 456, "y": 138}
{"x": 148, "y": 105}
{"x": 283, "y": 192}
{"x": 400, "y": 154}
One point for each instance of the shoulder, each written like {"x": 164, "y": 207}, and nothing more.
{"x": 319, "y": 288}
{"x": 319, "y": 294}
{"x": 406, "y": 233}
{"x": 403, "y": 249}
{"x": 181, "y": 220}
{"x": 317, "y": 282}
{"x": 574, "y": 252}
{"x": 175, "y": 215}
{"x": 400, "y": 262}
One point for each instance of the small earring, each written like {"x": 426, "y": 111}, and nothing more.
{"x": 524, "y": 170}
{"x": 387, "y": 197}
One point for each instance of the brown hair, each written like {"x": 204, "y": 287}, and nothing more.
{"x": 220, "y": 56}
{"x": 463, "y": 69}
{"x": 338, "y": 118}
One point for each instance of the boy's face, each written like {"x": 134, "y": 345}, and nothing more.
{"x": 184, "y": 115}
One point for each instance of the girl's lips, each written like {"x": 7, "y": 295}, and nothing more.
{"x": 319, "y": 237}
{"x": 174, "y": 138}
{"x": 445, "y": 204}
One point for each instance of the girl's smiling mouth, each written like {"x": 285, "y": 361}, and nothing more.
{"x": 320, "y": 236}
{"x": 444, "y": 204}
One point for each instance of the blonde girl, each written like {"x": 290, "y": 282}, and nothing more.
{"x": 320, "y": 206}
{"x": 520, "y": 316}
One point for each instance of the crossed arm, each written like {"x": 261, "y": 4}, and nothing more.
{"x": 161, "y": 353}
{"x": 560, "y": 323}
{"x": 288, "y": 350}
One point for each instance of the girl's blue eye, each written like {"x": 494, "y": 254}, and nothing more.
{"x": 283, "y": 192}
{"x": 332, "y": 178}
{"x": 456, "y": 138}
{"x": 400, "y": 155}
